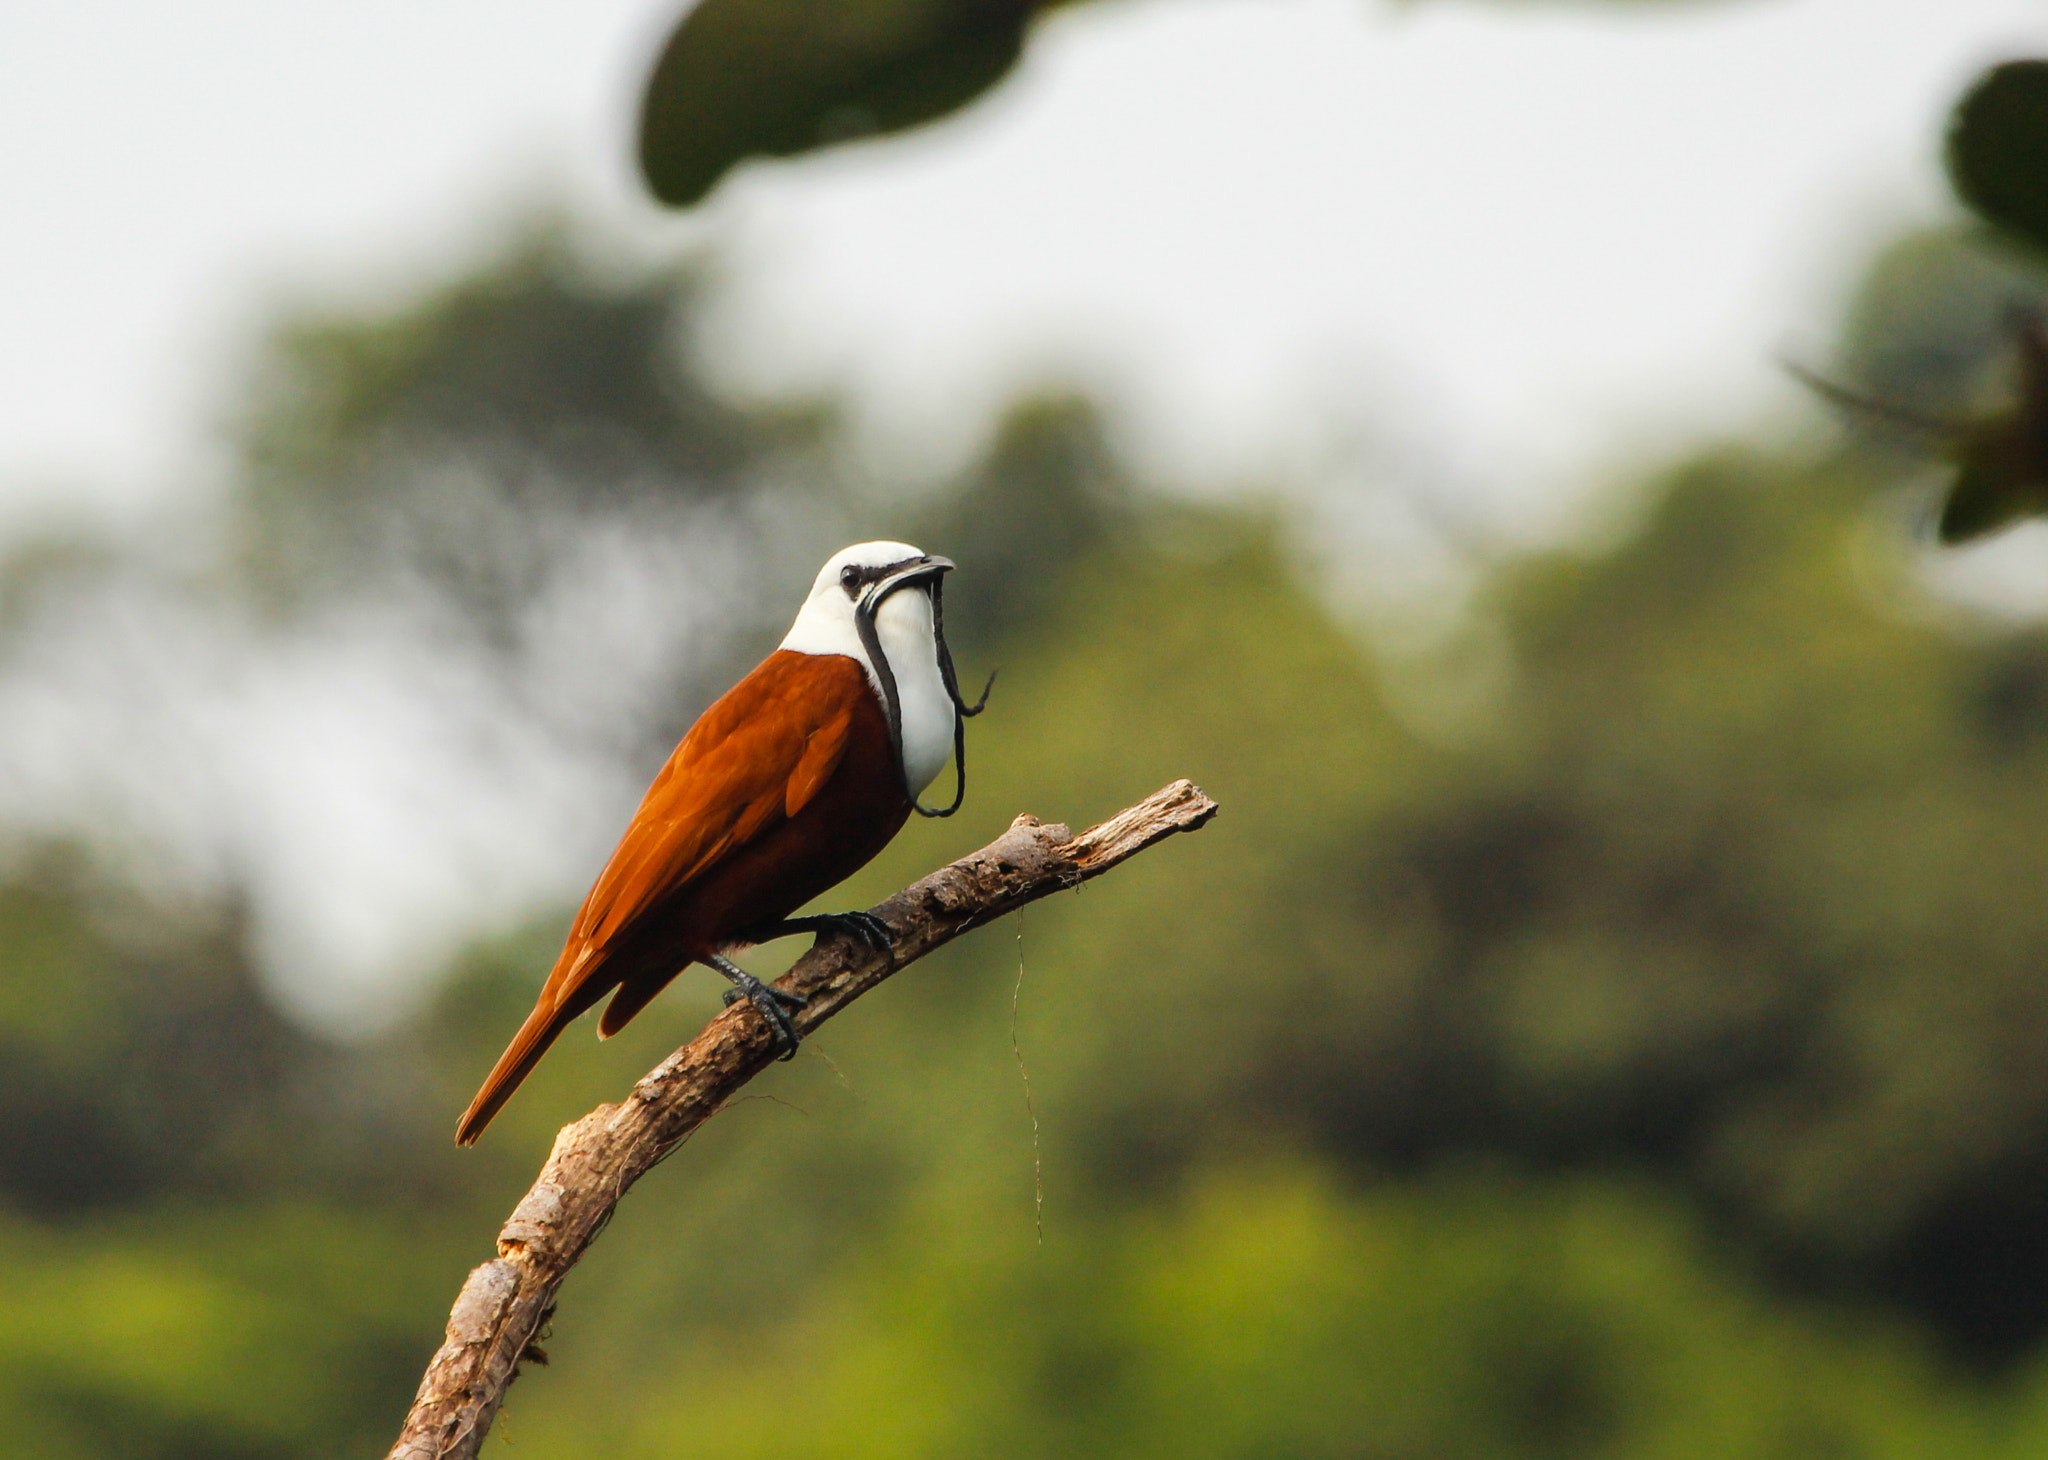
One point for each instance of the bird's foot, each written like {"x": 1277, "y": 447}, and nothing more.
{"x": 863, "y": 926}
{"x": 773, "y": 1003}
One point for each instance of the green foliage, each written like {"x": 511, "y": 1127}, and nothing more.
{"x": 746, "y": 78}
{"x": 1264, "y": 1313}
{"x": 1739, "y": 892}
{"x": 1949, "y": 333}
{"x": 1930, "y": 319}
{"x": 461, "y": 440}
{"x": 135, "y": 1052}
{"x": 279, "y": 1329}
{"x": 1997, "y": 144}
{"x": 191, "y": 1268}
{"x": 1997, "y": 156}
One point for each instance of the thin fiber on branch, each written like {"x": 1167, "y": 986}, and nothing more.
{"x": 505, "y": 1301}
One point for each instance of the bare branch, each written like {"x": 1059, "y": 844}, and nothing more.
{"x": 595, "y": 1161}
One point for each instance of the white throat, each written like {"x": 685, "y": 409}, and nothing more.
{"x": 903, "y": 627}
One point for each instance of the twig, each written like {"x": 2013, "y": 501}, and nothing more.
{"x": 505, "y": 1301}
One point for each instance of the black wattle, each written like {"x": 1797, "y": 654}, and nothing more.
{"x": 864, "y": 625}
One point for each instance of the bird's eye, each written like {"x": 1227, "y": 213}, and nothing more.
{"x": 849, "y": 579}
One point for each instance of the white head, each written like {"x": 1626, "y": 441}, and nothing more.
{"x": 893, "y": 581}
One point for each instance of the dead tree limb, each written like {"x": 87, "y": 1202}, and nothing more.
{"x": 505, "y": 1301}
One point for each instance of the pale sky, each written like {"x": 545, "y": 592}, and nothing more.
{"x": 1500, "y": 251}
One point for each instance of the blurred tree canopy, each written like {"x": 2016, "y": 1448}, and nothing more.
{"x": 455, "y": 444}
{"x": 1657, "y": 1072}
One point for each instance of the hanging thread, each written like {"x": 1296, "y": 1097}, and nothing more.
{"x": 1037, "y": 1168}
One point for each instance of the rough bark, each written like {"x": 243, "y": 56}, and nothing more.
{"x": 596, "y": 1160}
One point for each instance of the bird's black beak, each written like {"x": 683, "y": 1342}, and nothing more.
{"x": 927, "y": 569}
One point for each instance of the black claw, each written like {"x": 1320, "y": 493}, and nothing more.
{"x": 864, "y": 926}
{"x": 781, "y": 996}
{"x": 768, "y": 1000}
{"x": 870, "y": 929}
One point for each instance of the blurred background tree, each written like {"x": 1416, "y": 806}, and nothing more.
{"x": 1654, "y": 1066}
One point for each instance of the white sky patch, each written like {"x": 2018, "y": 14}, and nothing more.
{"x": 168, "y": 169}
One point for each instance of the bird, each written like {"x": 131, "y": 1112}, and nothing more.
{"x": 789, "y": 783}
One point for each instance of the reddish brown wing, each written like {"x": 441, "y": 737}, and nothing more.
{"x": 753, "y": 760}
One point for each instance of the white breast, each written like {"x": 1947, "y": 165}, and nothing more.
{"x": 903, "y": 624}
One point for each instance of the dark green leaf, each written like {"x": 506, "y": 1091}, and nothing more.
{"x": 1998, "y": 149}
{"x": 746, "y": 78}
{"x": 2004, "y": 475}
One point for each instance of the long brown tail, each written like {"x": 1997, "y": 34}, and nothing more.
{"x": 516, "y": 1063}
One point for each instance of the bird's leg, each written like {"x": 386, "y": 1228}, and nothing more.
{"x": 864, "y": 926}
{"x": 767, "y": 999}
